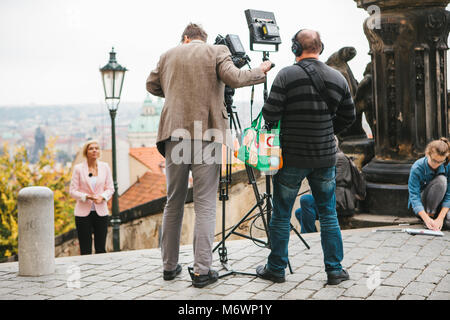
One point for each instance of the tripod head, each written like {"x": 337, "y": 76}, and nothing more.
{"x": 229, "y": 93}
{"x": 266, "y": 57}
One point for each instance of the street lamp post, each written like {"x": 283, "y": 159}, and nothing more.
{"x": 113, "y": 75}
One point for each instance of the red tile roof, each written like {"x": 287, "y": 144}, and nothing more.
{"x": 149, "y": 187}
{"x": 150, "y": 157}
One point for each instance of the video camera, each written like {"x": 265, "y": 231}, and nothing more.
{"x": 236, "y": 48}
{"x": 239, "y": 59}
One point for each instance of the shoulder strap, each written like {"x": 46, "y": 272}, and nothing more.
{"x": 318, "y": 84}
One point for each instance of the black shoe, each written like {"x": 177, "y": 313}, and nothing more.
{"x": 337, "y": 277}
{"x": 202, "y": 280}
{"x": 263, "y": 273}
{"x": 170, "y": 275}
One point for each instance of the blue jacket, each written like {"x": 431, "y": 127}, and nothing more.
{"x": 420, "y": 175}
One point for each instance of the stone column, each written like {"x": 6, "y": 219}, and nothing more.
{"x": 408, "y": 44}
{"x": 36, "y": 232}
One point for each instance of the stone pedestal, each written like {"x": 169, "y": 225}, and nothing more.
{"x": 408, "y": 44}
{"x": 36, "y": 232}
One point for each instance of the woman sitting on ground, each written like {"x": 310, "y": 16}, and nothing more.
{"x": 429, "y": 186}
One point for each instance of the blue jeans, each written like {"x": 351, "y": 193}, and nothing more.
{"x": 286, "y": 184}
{"x": 307, "y": 214}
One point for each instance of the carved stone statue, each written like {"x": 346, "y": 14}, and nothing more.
{"x": 339, "y": 61}
{"x": 363, "y": 98}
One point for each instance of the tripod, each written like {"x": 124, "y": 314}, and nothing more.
{"x": 266, "y": 198}
{"x": 225, "y": 182}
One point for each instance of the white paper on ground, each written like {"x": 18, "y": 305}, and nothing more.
{"x": 425, "y": 232}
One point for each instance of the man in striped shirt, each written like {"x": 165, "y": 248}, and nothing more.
{"x": 308, "y": 126}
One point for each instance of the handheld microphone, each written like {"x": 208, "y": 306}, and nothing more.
{"x": 90, "y": 174}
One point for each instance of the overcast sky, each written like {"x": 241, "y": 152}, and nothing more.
{"x": 51, "y": 50}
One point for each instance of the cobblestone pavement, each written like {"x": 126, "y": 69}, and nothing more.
{"x": 382, "y": 265}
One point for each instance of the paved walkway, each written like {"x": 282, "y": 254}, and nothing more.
{"x": 382, "y": 265}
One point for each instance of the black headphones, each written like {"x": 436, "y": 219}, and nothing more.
{"x": 297, "y": 47}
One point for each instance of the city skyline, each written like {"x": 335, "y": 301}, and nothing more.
{"x": 71, "y": 126}
{"x": 53, "y": 57}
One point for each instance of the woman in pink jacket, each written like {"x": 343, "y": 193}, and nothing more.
{"x": 92, "y": 186}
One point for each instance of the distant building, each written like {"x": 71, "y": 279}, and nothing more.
{"x": 143, "y": 130}
{"x": 10, "y": 137}
{"x": 151, "y": 158}
{"x": 147, "y": 188}
{"x": 39, "y": 145}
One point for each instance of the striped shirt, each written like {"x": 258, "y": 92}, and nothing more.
{"x": 307, "y": 126}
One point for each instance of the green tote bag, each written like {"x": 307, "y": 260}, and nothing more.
{"x": 260, "y": 148}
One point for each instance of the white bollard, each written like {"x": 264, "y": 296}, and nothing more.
{"x": 36, "y": 232}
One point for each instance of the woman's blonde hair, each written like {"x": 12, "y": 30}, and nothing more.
{"x": 440, "y": 147}
{"x": 87, "y": 144}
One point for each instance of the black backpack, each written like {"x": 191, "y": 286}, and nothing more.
{"x": 358, "y": 181}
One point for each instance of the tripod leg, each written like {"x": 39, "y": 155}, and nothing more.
{"x": 266, "y": 225}
{"x": 290, "y": 268}
{"x": 301, "y": 238}
{"x": 269, "y": 203}
{"x": 224, "y": 184}
{"x": 235, "y": 227}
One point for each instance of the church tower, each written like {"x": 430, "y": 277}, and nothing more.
{"x": 143, "y": 130}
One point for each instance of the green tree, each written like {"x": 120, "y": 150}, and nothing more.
{"x": 16, "y": 173}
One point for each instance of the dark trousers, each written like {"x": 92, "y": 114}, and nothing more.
{"x": 93, "y": 223}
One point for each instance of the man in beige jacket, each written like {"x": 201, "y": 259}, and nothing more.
{"x": 193, "y": 126}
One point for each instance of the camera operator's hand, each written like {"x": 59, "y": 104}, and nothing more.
{"x": 266, "y": 66}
